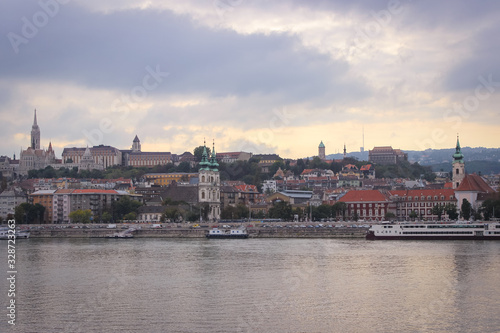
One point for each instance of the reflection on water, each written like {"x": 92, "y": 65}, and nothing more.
{"x": 256, "y": 285}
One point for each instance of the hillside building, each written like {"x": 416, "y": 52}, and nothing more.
{"x": 386, "y": 155}
{"x": 34, "y": 158}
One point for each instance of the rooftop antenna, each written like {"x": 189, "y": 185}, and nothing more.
{"x": 363, "y": 144}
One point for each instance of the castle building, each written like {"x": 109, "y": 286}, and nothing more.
{"x": 87, "y": 162}
{"x": 386, "y": 155}
{"x": 34, "y": 158}
{"x": 137, "y": 158}
{"x": 321, "y": 151}
{"x": 458, "y": 166}
{"x": 209, "y": 184}
{"x": 136, "y": 145}
{"x": 105, "y": 156}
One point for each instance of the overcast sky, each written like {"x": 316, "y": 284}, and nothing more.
{"x": 260, "y": 76}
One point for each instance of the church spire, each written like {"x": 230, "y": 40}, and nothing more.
{"x": 35, "y": 134}
{"x": 458, "y": 156}
{"x": 204, "y": 163}
{"x": 213, "y": 161}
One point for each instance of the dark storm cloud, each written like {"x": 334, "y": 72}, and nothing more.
{"x": 467, "y": 74}
{"x": 112, "y": 51}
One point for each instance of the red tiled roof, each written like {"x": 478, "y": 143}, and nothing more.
{"x": 363, "y": 196}
{"x": 306, "y": 171}
{"x": 64, "y": 191}
{"x": 474, "y": 183}
{"x": 246, "y": 188}
{"x": 424, "y": 192}
{"x": 351, "y": 166}
{"x": 84, "y": 191}
{"x": 366, "y": 167}
{"x": 448, "y": 185}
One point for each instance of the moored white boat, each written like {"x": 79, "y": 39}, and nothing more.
{"x": 228, "y": 233}
{"x": 427, "y": 231}
{"x": 4, "y": 233}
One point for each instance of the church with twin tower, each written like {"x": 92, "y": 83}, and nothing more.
{"x": 209, "y": 184}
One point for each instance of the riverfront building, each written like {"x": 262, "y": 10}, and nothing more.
{"x": 60, "y": 203}
{"x": 9, "y": 199}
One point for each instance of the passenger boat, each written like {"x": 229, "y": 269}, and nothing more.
{"x": 4, "y": 233}
{"x": 453, "y": 231}
{"x": 227, "y": 233}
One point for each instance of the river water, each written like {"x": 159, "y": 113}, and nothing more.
{"x": 253, "y": 285}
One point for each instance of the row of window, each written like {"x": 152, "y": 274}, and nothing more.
{"x": 369, "y": 205}
{"x": 456, "y": 226}
{"x": 438, "y": 232}
{"x": 370, "y": 213}
{"x": 422, "y": 204}
{"x": 422, "y": 198}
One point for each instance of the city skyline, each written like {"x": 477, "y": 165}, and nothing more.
{"x": 411, "y": 73}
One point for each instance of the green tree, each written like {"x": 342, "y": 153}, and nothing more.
{"x": 321, "y": 212}
{"x": 389, "y": 216}
{"x": 317, "y": 163}
{"x": 183, "y": 167}
{"x": 198, "y": 152}
{"x": 80, "y": 216}
{"x": 106, "y": 217}
{"x": 281, "y": 210}
{"x": 132, "y": 216}
{"x": 339, "y": 209}
{"x": 413, "y": 215}
{"x": 49, "y": 172}
{"x": 491, "y": 208}
{"x": 28, "y": 213}
{"x": 355, "y": 216}
{"x": 124, "y": 206}
{"x": 438, "y": 210}
{"x": 451, "y": 210}
{"x": 466, "y": 209}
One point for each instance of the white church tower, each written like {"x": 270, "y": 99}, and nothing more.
{"x": 458, "y": 166}
{"x": 209, "y": 184}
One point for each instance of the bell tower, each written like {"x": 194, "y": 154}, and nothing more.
{"x": 209, "y": 184}
{"x": 321, "y": 151}
{"x": 458, "y": 166}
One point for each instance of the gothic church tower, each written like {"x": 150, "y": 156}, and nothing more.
{"x": 35, "y": 135}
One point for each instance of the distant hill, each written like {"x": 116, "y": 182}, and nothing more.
{"x": 435, "y": 156}
{"x": 479, "y": 167}
{"x": 478, "y": 160}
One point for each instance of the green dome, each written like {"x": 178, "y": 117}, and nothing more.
{"x": 213, "y": 161}
{"x": 321, "y": 145}
{"x": 204, "y": 164}
{"x": 458, "y": 156}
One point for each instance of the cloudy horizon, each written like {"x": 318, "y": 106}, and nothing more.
{"x": 254, "y": 76}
